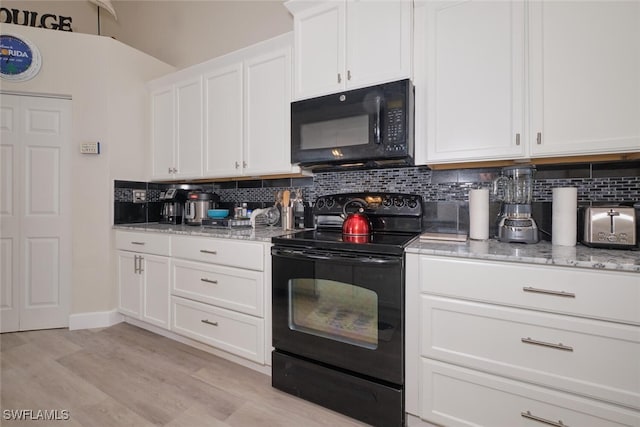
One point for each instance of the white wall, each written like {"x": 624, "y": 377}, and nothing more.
{"x": 106, "y": 80}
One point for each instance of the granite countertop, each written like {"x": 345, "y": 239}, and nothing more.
{"x": 539, "y": 253}
{"x": 263, "y": 234}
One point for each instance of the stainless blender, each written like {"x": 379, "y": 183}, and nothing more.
{"x": 514, "y": 187}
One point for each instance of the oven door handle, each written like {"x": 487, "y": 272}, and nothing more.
{"x": 327, "y": 256}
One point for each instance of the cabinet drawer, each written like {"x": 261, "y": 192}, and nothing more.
{"x": 595, "y": 358}
{"x": 233, "y": 332}
{"x": 219, "y": 251}
{"x": 148, "y": 243}
{"x": 454, "y": 396}
{"x": 232, "y": 288}
{"x": 599, "y": 294}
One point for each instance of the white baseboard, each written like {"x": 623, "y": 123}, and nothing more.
{"x": 96, "y": 319}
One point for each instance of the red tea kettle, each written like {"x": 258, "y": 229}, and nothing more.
{"x": 357, "y": 223}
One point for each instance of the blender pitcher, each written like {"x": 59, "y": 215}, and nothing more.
{"x": 514, "y": 187}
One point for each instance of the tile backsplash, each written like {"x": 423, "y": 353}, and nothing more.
{"x": 596, "y": 183}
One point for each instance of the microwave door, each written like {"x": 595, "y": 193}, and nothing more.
{"x": 337, "y": 132}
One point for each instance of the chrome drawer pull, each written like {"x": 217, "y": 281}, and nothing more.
{"x": 530, "y": 416}
{"x": 204, "y": 279}
{"x": 558, "y": 346}
{"x": 209, "y": 323}
{"x": 549, "y": 292}
{"x": 204, "y": 251}
{"x": 137, "y": 243}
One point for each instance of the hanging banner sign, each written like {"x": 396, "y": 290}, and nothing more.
{"x": 20, "y": 59}
{"x": 32, "y": 19}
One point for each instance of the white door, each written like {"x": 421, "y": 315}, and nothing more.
{"x": 223, "y": 121}
{"x": 188, "y": 142}
{"x": 155, "y": 290}
{"x": 475, "y": 80}
{"x": 129, "y": 283}
{"x": 319, "y": 34}
{"x": 162, "y": 133}
{"x": 35, "y": 213}
{"x": 378, "y": 42}
{"x": 585, "y": 77}
{"x": 267, "y": 136}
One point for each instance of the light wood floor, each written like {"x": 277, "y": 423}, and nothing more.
{"x": 127, "y": 376}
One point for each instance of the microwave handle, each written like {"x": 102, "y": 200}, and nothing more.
{"x": 376, "y": 130}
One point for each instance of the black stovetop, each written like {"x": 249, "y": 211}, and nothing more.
{"x": 377, "y": 243}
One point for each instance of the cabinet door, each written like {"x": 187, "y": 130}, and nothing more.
{"x": 223, "y": 121}
{"x": 129, "y": 284}
{"x": 378, "y": 41}
{"x": 585, "y": 77}
{"x": 162, "y": 133}
{"x": 267, "y": 113}
{"x": 319, "y": 35}
{"x": 475, "y": 80}
{"x": 155, "y": 290}
{"x": 188, "y": 119}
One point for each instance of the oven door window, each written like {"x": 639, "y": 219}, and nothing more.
{"x": 335, "y": 310}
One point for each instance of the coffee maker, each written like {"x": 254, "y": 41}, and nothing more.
{"x": 172, "y": 206}
{"x": 514, "y": 187}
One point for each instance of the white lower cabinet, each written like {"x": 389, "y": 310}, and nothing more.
{"x": 143, "y": 278}
{"x": 218, "y": 294}
{"x": 514, "y": 344}
{"x": 455, "y": 396}
{"x": 227, "y": 330}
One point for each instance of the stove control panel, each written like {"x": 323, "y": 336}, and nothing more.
{"x": 378, "y": 204}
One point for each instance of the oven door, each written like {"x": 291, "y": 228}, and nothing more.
{"x": 341, "y": 309}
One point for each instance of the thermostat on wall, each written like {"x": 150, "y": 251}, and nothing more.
{"x": 90, "y": 148}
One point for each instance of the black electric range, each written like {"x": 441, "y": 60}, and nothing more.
{"x": 396, "y": 220}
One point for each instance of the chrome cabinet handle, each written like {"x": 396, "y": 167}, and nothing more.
{"x": 237, "y": 165}
{"x": 204, "y": 251}
{"x": 539, "y": 138}
{"x": 209, "y": 322}
{"x": 339, "y": 78}
{"x": 135, "y": 264}
{"x": 558, "y": 346}
{"x": 169, "y": 170}
{"x": 244, "y": 164}
{"x": 549, "y": 292}
{"x": 204, "y": 279}
{"x": 530, "y": 416}
{"x": 348, "y": 74}
{"x": 517, "y": 139}
{"x": 138, "y": 243}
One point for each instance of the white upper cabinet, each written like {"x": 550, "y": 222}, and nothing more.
{"x": 223, "y": 121}
{"x": 564, "y": 82}
{"x": 585, "y": 77}
{"x": 267, "y": 112}
{"x": 475, "y": 80}
{"x": 346, "y": 44}
{"x": 176, "y": 130}
{"x": 226, "y": 117}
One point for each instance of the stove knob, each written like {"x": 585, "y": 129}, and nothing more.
{"x": 330, "y": 203}
{"x": 398, "y": 203}
{"x": 320, "y": 203}
{"x": 412, "y": 203}
{"x": 387, "y": 202}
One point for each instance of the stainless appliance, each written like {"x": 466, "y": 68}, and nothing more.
{"x": 338, "y": 308}
{"x": 372, "y": 126}
{"x": 172, "y": 206}
{"x": 197, "y": 205}
{"x": 514, "y": 187}
{"x": 609, "y": 227}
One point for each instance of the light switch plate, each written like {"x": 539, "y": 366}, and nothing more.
{"x": 90, "y": 148}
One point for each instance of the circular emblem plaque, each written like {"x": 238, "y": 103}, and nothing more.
{"x": 19, "y": 58}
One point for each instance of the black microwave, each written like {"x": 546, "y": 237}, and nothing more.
{"x": 372, "y": 126}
